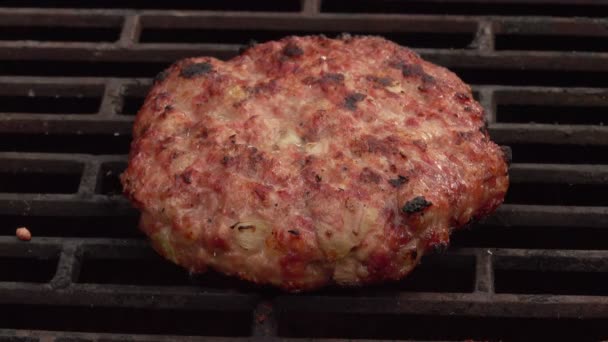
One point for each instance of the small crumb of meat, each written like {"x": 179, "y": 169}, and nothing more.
{"x": 23, "y": 234}
{"x": 417, "y": 204}
{"x": 196, "y": 69}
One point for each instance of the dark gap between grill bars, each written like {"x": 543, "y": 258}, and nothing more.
{"x": 436, "y": 327}
{"x": 557, "y": 194}
{"x": 132, "y": 104}
{"x": 59, "y": 34}
{"x": 565, "y": 78}
{"x": 464, "y": 7}
{"x": 494, "y": 236}
{"x": 74, "y": 226}
{"x": 133, "y": 98}
{"x": 50, "y": 98}
{"x": 31, "y": 269}
{"x": 65, "y": 143}
{"x": 154, "y": 270}
{"x": 109, "y": 179}
{"x": 32, "y": 179}
{"x": 596, "y": 98}
{"x": 552, "y": 114}
{"x": 437, "y": 272}
{"x": 79, "y": 68}
{"x": 556, "y": 283}
{"x": 476, "y": 95}
{"x": 220, "y": 5}
{"x": 49, "y": 104}
{"x": 550, "y": 43}
{"x": 450, "y": 40}
{"x": 125, "y": 320}
{"x": 534, "y": 275}
{"x": 560, "y": 154}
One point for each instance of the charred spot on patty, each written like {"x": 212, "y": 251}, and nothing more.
{"x": 333, "y": 78}
{"x": 196, "y": 69}
{"x": 226, "y": 160}
{"x": 414, "y": 70}
{"x": 383, "y": 81}
{"x": 428, "y": 79}
{"x": 326, "y": 79}
{"x": 351, "y": 100}
{"x": 409, "y": 70}
{"x": 292, "y": 50}
{"x": 417, "y": 204}
{"x": 161, "y": 76}
{"x": 398, "y": 182}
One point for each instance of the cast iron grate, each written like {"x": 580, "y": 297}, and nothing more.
{"x": 73, "y": 74}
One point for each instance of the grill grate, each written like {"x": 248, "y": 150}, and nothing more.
{"x": 73, "y": 74}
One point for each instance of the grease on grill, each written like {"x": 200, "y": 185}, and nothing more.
{"x": 332, "y": 78}
{"x": 383, "y": 81}
{"x": 351, "y": 100}
{"x": 417, "y": 204}
{"x": 196, "y": 69}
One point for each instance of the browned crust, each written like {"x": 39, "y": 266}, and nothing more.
{"x": 309, "y": 161}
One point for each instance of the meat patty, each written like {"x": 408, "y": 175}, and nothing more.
{"x": 310, "y": 161}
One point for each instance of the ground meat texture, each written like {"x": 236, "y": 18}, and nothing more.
{"x": 310, "y": 161}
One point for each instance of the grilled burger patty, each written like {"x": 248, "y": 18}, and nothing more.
{"x": 310, "y": 161}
